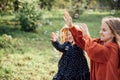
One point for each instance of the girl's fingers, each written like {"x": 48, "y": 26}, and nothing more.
{"x": 53, "y": 36}
{"x": 81, "y": 27}
{"x": 84, "y": 28}
{"x": 67, "y": 16}
{"x": 65, "y": 19}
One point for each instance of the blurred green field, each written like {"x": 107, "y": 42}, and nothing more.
{"x": 36, "y": 58}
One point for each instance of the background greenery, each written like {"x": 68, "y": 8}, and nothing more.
{"x": 28, "y": 54}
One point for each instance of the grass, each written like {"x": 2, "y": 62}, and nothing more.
{"x": 37, "y": 59}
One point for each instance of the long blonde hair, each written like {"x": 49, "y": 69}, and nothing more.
{"x": 114, "y": 24}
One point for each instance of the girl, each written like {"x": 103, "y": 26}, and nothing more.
{"x": 73, "y": 64}
{"x": 104, "y": 52}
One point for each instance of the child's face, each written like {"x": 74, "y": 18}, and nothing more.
{"x": 70, "y": 37}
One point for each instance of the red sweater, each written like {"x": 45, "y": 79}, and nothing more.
{"x": 103, "y": 58}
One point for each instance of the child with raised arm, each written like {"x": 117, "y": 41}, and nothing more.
{"x": 73, "y": 64}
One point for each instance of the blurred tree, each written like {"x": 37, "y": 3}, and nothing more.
{"x": 91, "y": 4}
{"x": 62, "y": 4}
{"x": 117, "y": 4}
{"x": 6, "y": 5}
{"x": 29, "y": 16}
{"x": 110, "y": 4}
{"x": 16, "y": 5}
{"x": 77, "y": 7}
{"x": 46, "y": 4}
{"x": 107, "y": 4}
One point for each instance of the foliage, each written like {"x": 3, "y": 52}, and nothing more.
{"x": 29, "y": 16}
{"x": 46, "y": 4}
{"x": 91, "y": 4}
{"x": 77, "y": 8}
{"x": 9, "y": 44}
{"x": 6, "y": 5}
{"x": 104, "y": 5}
{"x": 62, "y": 4}
{"x": 10, "y": 6}
{"x": 16, "y": 5}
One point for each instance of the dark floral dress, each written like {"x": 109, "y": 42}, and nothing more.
{"x": 73, "y": 64}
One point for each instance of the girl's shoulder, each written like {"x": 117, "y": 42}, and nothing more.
{"x": 112, "y": 44}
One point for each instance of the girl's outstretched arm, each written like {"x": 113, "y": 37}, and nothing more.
{"x": 56, "y": 44}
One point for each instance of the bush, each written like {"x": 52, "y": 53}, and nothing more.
{"x": 29, "y": 17}
{"x": 9, "y": 44}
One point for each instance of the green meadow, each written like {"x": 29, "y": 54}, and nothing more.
{"x": 34, "y": 58}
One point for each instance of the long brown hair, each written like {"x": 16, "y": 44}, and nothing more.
{"x": 114, "y": 24}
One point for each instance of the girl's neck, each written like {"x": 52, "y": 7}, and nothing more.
{"x": 104, "y": 43}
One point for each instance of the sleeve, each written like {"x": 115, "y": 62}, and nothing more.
{"x": 100, "y": 53}
{"x": 58, "y": 46}
{"x": 78, "y": 37}
{"x": 95, "y": 51}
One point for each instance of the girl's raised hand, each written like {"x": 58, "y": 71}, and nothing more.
{"x": 54, "y": 37}
{"x": 84, "y": 29}
{"x": 68, "y": 19}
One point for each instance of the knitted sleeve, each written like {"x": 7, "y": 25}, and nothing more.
{"x": 98, "y": 52}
